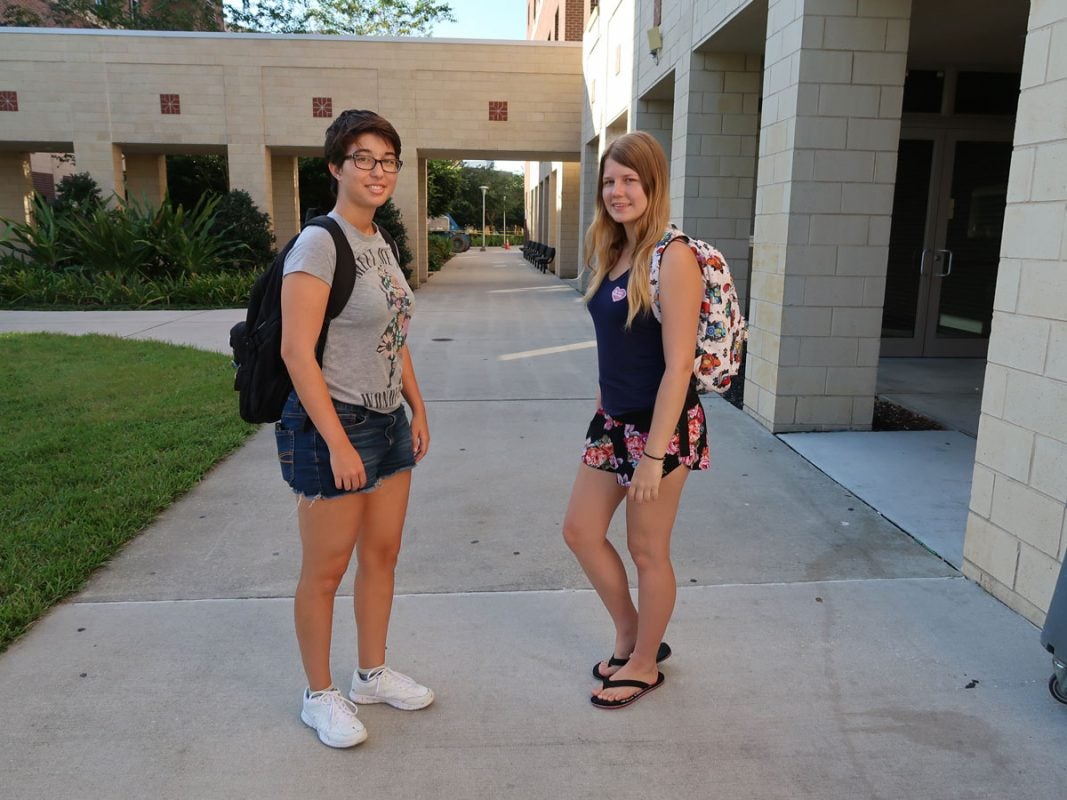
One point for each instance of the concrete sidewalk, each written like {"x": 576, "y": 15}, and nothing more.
{"x": 819, "y": 651}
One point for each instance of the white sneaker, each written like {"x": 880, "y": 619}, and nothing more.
{"x": 333, "y": 717}
{"x": 392, "y": 687}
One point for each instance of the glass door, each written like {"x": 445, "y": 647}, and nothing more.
{"x": 948, "y": 216}
{"x": 963, "y": 268}
{"x": 906, "y": 289}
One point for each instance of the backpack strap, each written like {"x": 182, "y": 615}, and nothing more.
{"x": 672, "y": 234}
{"x": 344, "y": 277}
{"x": 389, "y": 241}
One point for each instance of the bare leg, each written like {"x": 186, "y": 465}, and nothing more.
{"x": 648, "y": 535}
{"x": 376, "y": 554}
{"x": 594, "y": 498}
{"x": 328, "y": 533}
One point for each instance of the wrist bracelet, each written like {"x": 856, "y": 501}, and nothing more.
{"x": 654, "y": 458}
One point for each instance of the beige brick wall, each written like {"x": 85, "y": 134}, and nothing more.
{"x": 1016, "y": 532}
{"x": 146, "y": 177}
{"x": 249, "y": 96}
{"x": 16, "y": 188}
{"x": 285, "y": 188}
{"x": 714, "y": 143}
{"x": 833, "y": 86}
{"x": 568, "y": 259}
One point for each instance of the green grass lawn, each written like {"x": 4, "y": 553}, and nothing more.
{"x": 100, "y": 435}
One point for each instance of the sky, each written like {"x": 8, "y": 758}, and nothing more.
{"x": 484, "y": 19}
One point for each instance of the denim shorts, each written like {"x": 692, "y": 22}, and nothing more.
{"x": 383, "y": 441}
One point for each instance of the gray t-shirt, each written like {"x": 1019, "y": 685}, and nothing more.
{"x": 361, "y": 363}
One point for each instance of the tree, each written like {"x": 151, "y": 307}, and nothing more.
{"x": 389, "y": 217}
{"x": 78, "y": 193}
{"x": 443, "y": 179}
{"x": 358, "y": 17}
{"x": 238, "y": 219}
{"x": 192, "y": 15}
{"x": 314, "y": 185}
{"x": 18, "y": 17}
{"x": 467, "y": 206}
{"x": 190, "y": 177}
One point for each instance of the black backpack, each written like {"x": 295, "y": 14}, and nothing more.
{"x": 262, "y": 382}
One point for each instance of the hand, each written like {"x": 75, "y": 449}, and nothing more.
{"x": 348, "y": 470}
{"x": 644, "y": 486}
{"x": 420, "y": 436}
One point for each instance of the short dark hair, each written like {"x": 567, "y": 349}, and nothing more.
{"x": 348, "y": 127}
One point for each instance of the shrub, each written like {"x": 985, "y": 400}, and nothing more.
{"x": 38, "y": 243}
{"x": 388, "y": 216}
{"x": 28, "y": 286}
{"x": 439, "y": 251}
{"x": 77, "y": 193}
{"x": 106, "y": 240}
{"x": 184, "y": 242}
{"x": 191, "y": 177}
{"x": 237, "y": 219}
{"x": 131, "y": 238}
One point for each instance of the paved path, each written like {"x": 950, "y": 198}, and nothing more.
{"x": 819, "y": 651}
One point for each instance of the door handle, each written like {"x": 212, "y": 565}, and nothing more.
{"x": 948, "y": 263}
{"x": 922, "y": 261}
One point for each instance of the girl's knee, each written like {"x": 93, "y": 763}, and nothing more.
{"x": 579, "y": 537}
{"x": 322, "y": 580}
{"x": 646, "y": 556}
{"x": 381, "y": 556}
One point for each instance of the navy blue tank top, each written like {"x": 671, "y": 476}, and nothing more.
{"x": 631, "y": 361}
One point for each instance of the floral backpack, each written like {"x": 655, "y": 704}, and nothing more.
{"x": 722, "y": 330}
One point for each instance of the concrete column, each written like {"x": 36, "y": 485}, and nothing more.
{"x": 285, "y": 192}
{"x": 16, "y": 189}
{"x": 552, "y": 217}
{"x": 406, "y": 199}
{"x": 422, "y": 274}
{"x": 251, "y": 171}
{"x": 713, "y": 168}
{"x": 568, "y": 258}
{"x": 590, "y": 167}
{"x": 103, "y": 161}
{"x": 656, "y": 117}
{"x": 543, "y": 214}
{"x": 833, "y": 88}
{"x": 146, "y": 178}
{"x": 1016, "y": 532}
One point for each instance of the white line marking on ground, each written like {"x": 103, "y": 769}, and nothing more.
{"x": 546, "y": 351}
{"x": 531, "y": 289}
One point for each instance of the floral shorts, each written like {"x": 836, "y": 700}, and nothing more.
{"x": 616, "y": 444}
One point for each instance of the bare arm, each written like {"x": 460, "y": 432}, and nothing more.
{"x": 304, "y": 299}
{"x": 680, "y": 292}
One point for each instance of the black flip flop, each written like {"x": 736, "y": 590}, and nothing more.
{"x": 662, "y": 655}
{"x": 610, "y": 684}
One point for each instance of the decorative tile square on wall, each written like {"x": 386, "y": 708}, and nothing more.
{"x": 498, "y": 110}
{"x": 170, "y": 104}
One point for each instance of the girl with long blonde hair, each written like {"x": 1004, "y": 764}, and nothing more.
{"x": 648, "y": 422}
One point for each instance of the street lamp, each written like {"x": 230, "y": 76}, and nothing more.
{"x": 484, "y": 190}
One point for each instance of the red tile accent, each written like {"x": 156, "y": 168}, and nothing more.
{"x": 170, "y": 104}
{"x": 9, "y": 101}
{"x": 322, "y": 107}
{"x": 498, "y": 110}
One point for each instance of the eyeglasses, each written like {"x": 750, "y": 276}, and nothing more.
{"x": 365, "y": 162}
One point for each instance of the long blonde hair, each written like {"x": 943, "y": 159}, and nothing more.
{"x": 606, "y": 238}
